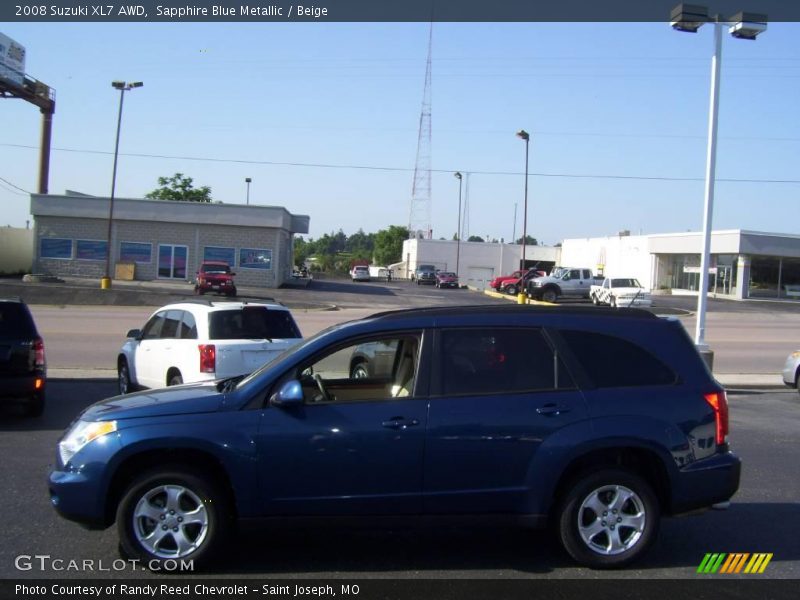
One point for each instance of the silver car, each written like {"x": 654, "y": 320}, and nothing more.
{"x": 791, "y": 370}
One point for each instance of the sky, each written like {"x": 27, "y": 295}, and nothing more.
{"x": 324, "y": 118}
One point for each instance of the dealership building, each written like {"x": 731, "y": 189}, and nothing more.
{"x": 162, "y": 240}
{"x": 744, "y": 264}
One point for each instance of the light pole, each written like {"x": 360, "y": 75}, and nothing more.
{"x": 458, "y": 176}
{"x": 524, "y": 135}
{"x": 105, "y": 282}
{"x": 247, "y": 180}
{"x": 689, "y": 18}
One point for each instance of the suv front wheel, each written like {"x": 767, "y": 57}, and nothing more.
{"x": 608, "y": 518}
{"x": 172, "y": 514}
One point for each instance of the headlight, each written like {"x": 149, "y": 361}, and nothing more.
{"x": 796, "y": 354}
{"x": 81, "y": 434}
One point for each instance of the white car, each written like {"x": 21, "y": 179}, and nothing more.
{"x": 360, "y": 273}
{"x": 620, "y": 292}
{"x": 204, "y": 340}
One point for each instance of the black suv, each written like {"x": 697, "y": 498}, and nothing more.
{"x": 596, "y": 422}
{"x": 22, "y": 363}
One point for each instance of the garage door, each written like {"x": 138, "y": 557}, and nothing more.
{"x": 479, "y": 277}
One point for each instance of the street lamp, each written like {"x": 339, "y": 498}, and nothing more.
{"x": 689, "y": 18}
{"x": 105, "y": 282}
{"x": 524, "y": 135}
{"x": 458, "y": 176}
{"x": 247, "y": 180}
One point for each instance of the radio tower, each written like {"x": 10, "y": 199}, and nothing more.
{"x": 419, "y": 222}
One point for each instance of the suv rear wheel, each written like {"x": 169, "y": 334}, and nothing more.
{"x": 172, "y": 514}
{"x": 35, "y": 405}
{"x": 608, "y": 518}
{"x": 124, "y": 377}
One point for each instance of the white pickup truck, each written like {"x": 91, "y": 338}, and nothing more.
{"x": 620, "y": 292}
{"x": 563, "y": 282}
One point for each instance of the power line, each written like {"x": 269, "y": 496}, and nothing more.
{"x": 404, "y": 169}
{"x": 21, "y": 191}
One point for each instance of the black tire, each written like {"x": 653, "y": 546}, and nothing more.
{"x": 360, "y": 370}
{"x": 595, "y": 301}
{"x": 176, "y": 379}
{"x": 797, "y": 381}
{"x": 511, "y": 290}
{"x": 34, "y": 407}
{"x": 549, "y": 295}
{"x": 176, "y": 494}
{"x": 612, "y": 302}
{"x": 124, "y": 377}
{"x": 611, "y": 545}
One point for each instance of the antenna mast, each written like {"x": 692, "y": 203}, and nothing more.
{"x": 419, "y": 222}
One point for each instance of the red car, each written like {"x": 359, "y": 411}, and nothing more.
{"x": 510, "y": 284}
{"x": 215, "y": 276}
{"x": 446, "y": 279}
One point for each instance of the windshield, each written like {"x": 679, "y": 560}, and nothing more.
{"x": 215, "y": 269}
{"x": 252, "y": 322}
{"x": 619, "y": 283}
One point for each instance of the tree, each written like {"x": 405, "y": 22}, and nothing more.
{"x": 474, "y": 238}
{"x": 179, "y": 189}
{"x": 389, "y": 244}
{"x": 529, "y": 241}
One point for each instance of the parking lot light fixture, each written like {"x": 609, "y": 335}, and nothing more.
{"x": 122, "y": 86}
{"x": 690, "y": 18}
{"x": 524, "y": 135}
{"x": 458, "y": 176}
{"x": 247, "y": 180}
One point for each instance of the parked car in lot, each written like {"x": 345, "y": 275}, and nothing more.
{"x": 563, "y": 282}
{"x": 596, "y": 422}
{"x": 446, "y": 279}
{"x": 512, "y": 284}
{"x": 215, "y": 276}
{"x": 23, "y": 369}
{"x": 620, "y": 292}
{"x": 791, "y": 370}
{"x": 360, "y": 273}
{"x": 202, "y": 341}
{"x": 425, "y": 274}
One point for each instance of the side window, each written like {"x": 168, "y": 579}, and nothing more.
{"x": 377, "y": 369}
{"x": 188, "y": 326}
{"x": 575, "y": 274}
{"x": 611, "y": 361}
{"x": 170, "y": 328}
{"x": 586, "y": 274}
{"x": 500, "y": 361}
{"x": 607, "y": 284}
{"x": 152, "y": 329}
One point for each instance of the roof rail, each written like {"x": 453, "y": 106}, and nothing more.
{"x": 213, "y": 301}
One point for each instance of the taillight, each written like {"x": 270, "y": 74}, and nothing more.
{"x": 38, "y": 352}
{"x": 208, "y": 358}
{"x": 719, "y": 402}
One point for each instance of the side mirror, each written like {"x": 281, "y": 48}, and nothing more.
{"x": 134, "y": 333}
{"x": 290, "y": 394}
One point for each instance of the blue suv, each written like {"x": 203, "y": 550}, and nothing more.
{"x": 597, "y": 422}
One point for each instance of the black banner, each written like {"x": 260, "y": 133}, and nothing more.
{"x": 730, "y": 588}
{"x": 382, "y": 10}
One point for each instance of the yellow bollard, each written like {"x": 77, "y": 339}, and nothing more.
{"x": 105, "y": 283}
{"x": 522, "y": 298}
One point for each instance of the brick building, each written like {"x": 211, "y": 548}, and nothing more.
{"x": 163, "y": 239}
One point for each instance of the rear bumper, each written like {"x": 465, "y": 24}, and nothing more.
{"x": 21, "y": 386}
{"x": 706, "y": 482}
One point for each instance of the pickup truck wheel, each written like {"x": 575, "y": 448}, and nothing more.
{"x": 176, "y": 379}
{"x": 172, "y": 514}
{"x": 124, "y": 377}
{"x": 612, "y": 302}
{"x": 511, "y": 290}
{"x": 595, "y": 301}
{"x": 549, "y": 295}
{"x": 608, "y": 518}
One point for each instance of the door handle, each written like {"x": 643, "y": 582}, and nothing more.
{"x": 399, "y": 423}
{"x": 552, "y": 409}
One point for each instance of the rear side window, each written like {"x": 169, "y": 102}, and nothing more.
{"x": 252, "y": 322}
{"x": 610, "y": 361}
{"x": 500, "y": 361}
{"x": 15, "y": 321}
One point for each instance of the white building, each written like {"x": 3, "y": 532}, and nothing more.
{"x": 744, "y": 264}
{"x": 477, "y": 263}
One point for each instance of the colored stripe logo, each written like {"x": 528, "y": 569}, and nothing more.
{"x": 736, "y": 562}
